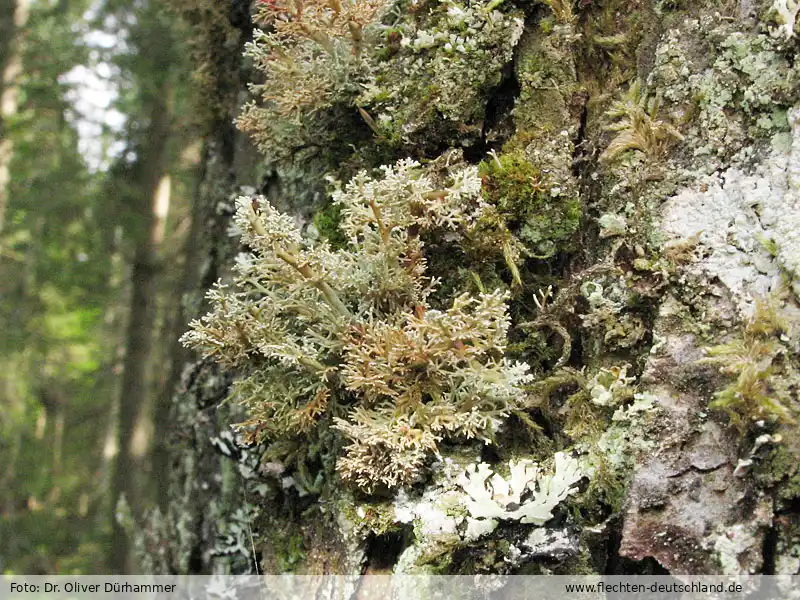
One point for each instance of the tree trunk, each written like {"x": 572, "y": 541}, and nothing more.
{"x": 13, "y": 17}
{"x": 173, "y": 362}
{"x": 685, "y": 241}
{"x": 135, "y": 386}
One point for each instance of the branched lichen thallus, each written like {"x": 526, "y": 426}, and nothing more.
{"x": 306, "y": 324}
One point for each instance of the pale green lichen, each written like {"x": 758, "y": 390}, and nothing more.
{"x": 612, "y": 224}
{"x": 401, "y": 73}
{"x": 611, "y": 387}
{"x": 735, "y": 212}
{"x": 612, "y": 454}
{"x": 729, "y": 545}
{"x": 440, "y": 62}
{"x": 738, "y": 91}
{"x": 609, "y": 321}
{"x": 351, "y": 329}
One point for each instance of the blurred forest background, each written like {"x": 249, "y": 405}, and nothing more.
{"x": 99, "y": 152}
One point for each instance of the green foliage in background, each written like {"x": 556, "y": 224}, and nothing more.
{"x": 63, "y": 269}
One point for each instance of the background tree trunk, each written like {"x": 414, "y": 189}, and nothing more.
{"x": 152, "y": 185}
{"x": 13, "y": 17}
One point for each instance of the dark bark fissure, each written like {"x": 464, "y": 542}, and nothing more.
{"x": 384, "y": 550}
{"x": 769, "y": 551}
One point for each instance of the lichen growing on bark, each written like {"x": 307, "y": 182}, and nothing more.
{"x": 347, "y": 339}
{"x": 619, "y": 273}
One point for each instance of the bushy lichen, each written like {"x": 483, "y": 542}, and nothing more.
{"x": 364, "y": 364}
{"x": 346, "y": 339}
{"x": 314, "y": 57}
{"x": 401, "y": 73}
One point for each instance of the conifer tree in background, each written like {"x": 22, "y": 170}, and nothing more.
{"x": 13, "y": 18}
{"x": 149, "y": 191}
{"x": 53, "y": 274}
{"x": 150, "y": 174}
{"x": 80, "y": 275}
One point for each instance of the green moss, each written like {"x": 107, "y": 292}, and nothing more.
{"x": 546, "y": 25}
{"x": 541, "y": 218}
{"x": 446, "y": 261}
{"x": 510, "y": 181}
{"x": 636, "y": 123}
{"x": 614, "y": 35}
{"x": 327, "y": 221}
{"x": 607, "y": 488}
{"x": 290, "y": 550}
{"x": 437, "y": 557}
{"x": 752, "y": 360}
{"x": 376, "y": 517}
{"x": 486, "y": 558}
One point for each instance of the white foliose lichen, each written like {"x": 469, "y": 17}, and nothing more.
{"x": 433, "y": 512}
{"x": 527, "y": 496}
{"x": 467, "y": 503}
{"x": 748, "y": 223}
{"x": 787, "y": 14}
{"x": 610, "y": 386}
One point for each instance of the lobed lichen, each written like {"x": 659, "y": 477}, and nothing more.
{"x": 737, "y": 92}
{"x": 440, "y": 62}
{"x": 491, "y": 498}
{"x": 401, "y": 73}
{"x": 467, "y": 501}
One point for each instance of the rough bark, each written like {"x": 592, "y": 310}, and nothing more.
{"x": 667, "y": 262}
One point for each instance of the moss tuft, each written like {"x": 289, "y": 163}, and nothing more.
{"x": 327, "y": 221}
{"x": 751, "y": 360}
{"x": 540, "y": 216}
